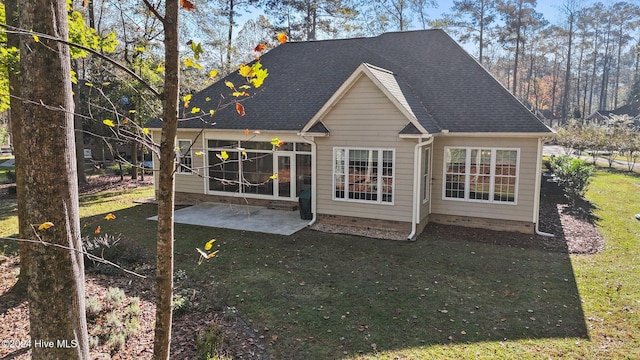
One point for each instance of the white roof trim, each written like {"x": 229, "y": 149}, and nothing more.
{"x": 496, "y": 134}
{"x": 368, "y": 70}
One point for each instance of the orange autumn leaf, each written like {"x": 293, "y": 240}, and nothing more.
{"x": 282, "y": 38}
{"x": 97, "y": 230}
{"x": 110, "y": 216}
{"x": 259, "y": 48}
{"x": 240, "y": 109}
{"x": 187, "y": 5}
{"x": 84, "y": 3}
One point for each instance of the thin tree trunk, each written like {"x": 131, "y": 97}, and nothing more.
{"x": 166, "y": 185}
{"x": 481, "y": 39}
{"x": 13, "y": 40}
{"x": 56, "y": 276}
{"x": 567, "y": 74}
{"x": 517, "y": 51}
{"x": 617, "y": 77}
{"x": 79, "y": 135}
{"x": 230, "y": 35}
{"x": 605, "y": 71}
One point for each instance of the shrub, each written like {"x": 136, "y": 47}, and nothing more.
{"x": 134, "y": 307}
{"x": 573, "y": 175}
{"x": 180, "y": 302}
{"x": 114, "y": 298}
{"x": 116, "y": 321}
{"x": 209, "y": 343}
{"x": 93, "y": 306}
{"x": 11, "y": 176}
{"x": 115, "y": 248}
{"x": 116, "y": 341}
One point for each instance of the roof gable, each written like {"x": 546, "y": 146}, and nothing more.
{"x": 388, "y": 84}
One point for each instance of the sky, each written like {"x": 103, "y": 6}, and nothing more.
{"x": 549, "y": 8}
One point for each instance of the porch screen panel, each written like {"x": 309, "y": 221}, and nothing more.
{"x": 257, "y": 169}
{"x": 455, "y": 173}
{"x": 223, "y": 175}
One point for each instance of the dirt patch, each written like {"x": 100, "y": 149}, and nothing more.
{"x": 238, "y": 339}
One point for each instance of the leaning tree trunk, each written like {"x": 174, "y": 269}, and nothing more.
{"x": 166, "y": 184}
{"x": 49, "y": 186}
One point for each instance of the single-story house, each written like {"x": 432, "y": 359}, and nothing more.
{"x": 600, "y": 117}
{"x": 388, "y": 132}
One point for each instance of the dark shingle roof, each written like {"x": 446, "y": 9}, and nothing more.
{"x": 426, "y": 70}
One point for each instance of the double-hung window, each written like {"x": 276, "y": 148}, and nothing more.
{"x": 186, "y": 160}
{"x": 363, "y": 175}
{"x": 481, "y": 174}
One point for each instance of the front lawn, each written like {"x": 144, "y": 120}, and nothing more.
{"x": 319, "y": 296}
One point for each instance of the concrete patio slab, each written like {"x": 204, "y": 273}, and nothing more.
{"x": 241, "y": 217}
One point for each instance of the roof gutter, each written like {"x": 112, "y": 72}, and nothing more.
{"x": 416, "y": 186}
{"x": 314, "y": 193}
{"x": 496, "y": 134}
{"x": 536, "y": 200}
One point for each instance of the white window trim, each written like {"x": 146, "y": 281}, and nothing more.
{"x": 180, "y": 169}
{"x": 467, "y": 174}
{"x": 379, "y": 177}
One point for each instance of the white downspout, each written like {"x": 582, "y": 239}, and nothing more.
{"x": 416, "y": 187}
{"x": 314, "y": 193}
{"x": 536, "y": 200}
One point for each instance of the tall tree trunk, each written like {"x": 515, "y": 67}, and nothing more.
{"x": 567, "y": 74}
{"x": 134, "y": 160}
{"x": 166, "y": 185}
{"x": 230, "y": 36}
{"x": 517, "y": 51}
{"x": 578, "y": 79}
{"x": 13, "y": 40}
{"x": 617, "y": 77}
{"x": 50, "y": 190}
{"x": 79, "y": 135}
{"x": 481, "y": 38}
{"x": 604, "y": 84}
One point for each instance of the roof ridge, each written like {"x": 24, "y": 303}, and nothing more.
{"x": 370, "y": 66}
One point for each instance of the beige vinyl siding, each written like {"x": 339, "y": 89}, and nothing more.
{"x": 365, "y": 118}
{"x": 521, "y": 211}
{"x": 190, "y": 183}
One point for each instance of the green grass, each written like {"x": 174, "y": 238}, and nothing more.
{"x": 321, "y": 296}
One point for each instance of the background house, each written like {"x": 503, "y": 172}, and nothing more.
{"x": 388, "y": 132}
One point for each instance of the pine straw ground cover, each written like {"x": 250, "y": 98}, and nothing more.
{"x": 454, "y": 293}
